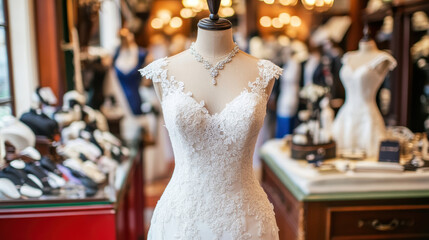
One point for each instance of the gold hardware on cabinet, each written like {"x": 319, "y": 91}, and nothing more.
{"x": 377, "y": 225}
{"x": 383, "y": 227}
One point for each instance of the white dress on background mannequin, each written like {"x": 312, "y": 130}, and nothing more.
{"x": 213, "y": 193}
{"x": 359, "y": 124}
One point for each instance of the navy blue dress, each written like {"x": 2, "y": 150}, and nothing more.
{"x": 130, "y": 82}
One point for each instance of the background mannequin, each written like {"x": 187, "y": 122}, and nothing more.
{"x": 128, "y": 58}
{"x": 312, "y": 68}
{"x": 359, "y": 124}
{"x": 287, "y": 103}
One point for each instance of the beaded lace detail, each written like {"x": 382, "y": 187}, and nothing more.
{"x": 213, "y": 192}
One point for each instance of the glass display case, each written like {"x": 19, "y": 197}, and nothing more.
{"x": 114, "y": 212}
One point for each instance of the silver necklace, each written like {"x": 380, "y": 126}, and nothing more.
{"x": 214, "y": 70}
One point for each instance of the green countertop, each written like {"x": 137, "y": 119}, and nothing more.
{"x": 302, "y": 196}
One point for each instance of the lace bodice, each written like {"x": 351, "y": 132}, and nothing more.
{"x": 213, "y": 188}
{"x": 362, "y": 83}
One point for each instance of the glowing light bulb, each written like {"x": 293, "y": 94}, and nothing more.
{"x": 265, "y": 21}
{"x": 277, "y": 23}
{"x": 295, "y": 21}
{"x": 308, "y": 4}
{"x": 284, "y": 18}
{"x": 319, "y": 3}
{"x": 190, "y": 3}
{"x": 269, "y": 1}
{"x": 164, "y": 15}
{"x": 156, "y": 23}
{"x": 176, "y": 22}
{"x": 226, "y": 3}
{"x": 226, "y": 12}
{"x": 288, "y": 2}
{"x": 185, "y": 3}
{"x": 186, "y": 13}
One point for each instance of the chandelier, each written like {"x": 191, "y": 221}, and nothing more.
{"x": 192, "y": 7}
{"x": 318, "y": 5}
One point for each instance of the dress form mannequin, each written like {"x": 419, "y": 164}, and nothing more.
{"x": 213, "y": 46}
{"x": 367, "y": 51}
{"x": 127, "y": 60}
{"x": 287, "y": 103}
{"x": 213, "y": 192}
{"x": 310, "y": 67}
{"x": 359, "y": 124}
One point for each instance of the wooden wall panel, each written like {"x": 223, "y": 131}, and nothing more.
{"x": 49, "y": 55}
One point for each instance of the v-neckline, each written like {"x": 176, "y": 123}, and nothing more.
{"x": 205, "y": 109}
{"x": 353, "y": 70}
{"x": 201, "y": 103}
{"x": 368, "y": 63}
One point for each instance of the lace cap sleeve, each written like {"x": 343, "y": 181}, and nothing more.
{"x": 269, "y": 70}
{"x": 384, "y": 57}
{"x": 345, "y": 58}
{"x": 155, "y": 70}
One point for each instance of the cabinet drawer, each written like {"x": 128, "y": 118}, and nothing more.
{"x": 378, "y": 222}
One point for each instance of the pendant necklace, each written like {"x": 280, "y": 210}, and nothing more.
{"x": 214, "y": 70}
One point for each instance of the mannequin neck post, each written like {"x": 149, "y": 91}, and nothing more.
{"x": 367, "y": 46}
{"x": 212, "y": 44}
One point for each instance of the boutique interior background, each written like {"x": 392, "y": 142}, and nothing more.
{"x": 84, "y": 152}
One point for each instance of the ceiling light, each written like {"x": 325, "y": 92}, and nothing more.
{"x": 226, "y": 12}
{"x": 190, "y": 3}
{"x": 226, "y": 3}
{"x": 289, "y": 2}
{"x": 277, "y": 23}
{"x": 157, "y": 23}
{"x": 295, "y": 21}
{"x": 265, "y": 21}
{"x": 269, "y": 1}
{"x": 176, "y": 22}
{"x": 164, "y": 15}
{"x": 284, "y": 18}
{"x": 186, "y": 13}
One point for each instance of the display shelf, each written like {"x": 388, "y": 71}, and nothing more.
{"x": 113, "y": 214}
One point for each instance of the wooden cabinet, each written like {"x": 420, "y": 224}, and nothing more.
{"x": 346, "y": 216}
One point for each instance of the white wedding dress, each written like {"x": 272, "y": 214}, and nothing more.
{"x": 213, "y": 193}
{"x": 359, "y": 124}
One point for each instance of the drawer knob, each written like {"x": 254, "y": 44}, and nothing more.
{"x": 379, "y": 226}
